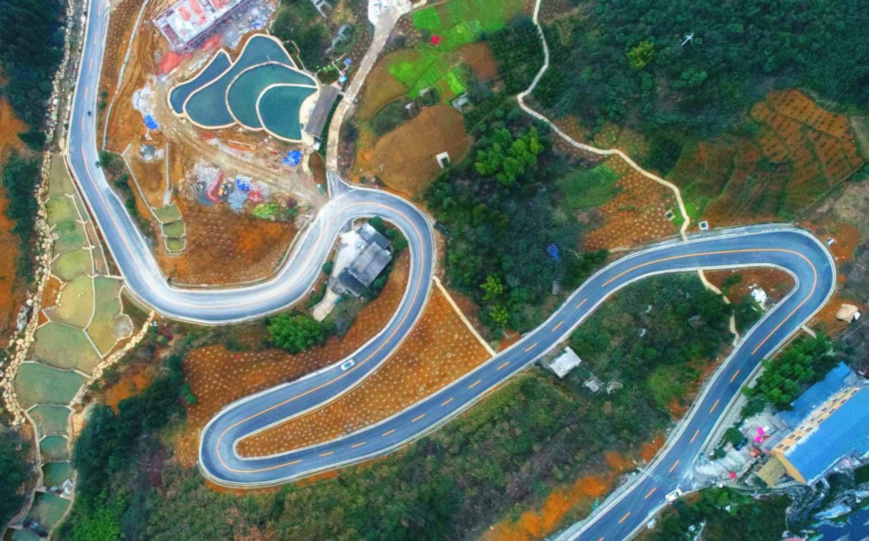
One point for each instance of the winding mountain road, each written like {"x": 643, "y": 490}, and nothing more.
{"x": 783, "y": 247}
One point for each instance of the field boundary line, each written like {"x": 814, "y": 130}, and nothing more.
{"x": 462, "y": 316}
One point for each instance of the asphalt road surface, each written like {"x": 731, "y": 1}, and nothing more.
{"x": 793, "y": 250}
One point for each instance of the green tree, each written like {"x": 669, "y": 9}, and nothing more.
{"x": 640, "y": 56}
{"x": 493, "y": 287}
{"x": 298, "y": 332}
{"x": 499, "y": 314}
{"x": 14, "y": 472}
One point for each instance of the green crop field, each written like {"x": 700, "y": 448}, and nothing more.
{"x": 62, "y": 346}
{"x": 54, "y": 448}
{"x": 70, "y": 264}
{"x": 174, "y": 230}
{"x": 108, "y": 322}
{"x": 76, "y": 301}
{"x": 169, "y": 213}
{"x": 463, "y": 21}
{"x": 60, "y": 208}
{"x": 50, "y": 419}
{"x": 55, "y": 473}
{"x": 48, "y": 509}
{"x": 70, "y": 235}
{"x": 589, "y": 188}
{"x": 37, "y": 383}
{"x": 175, "y": 245}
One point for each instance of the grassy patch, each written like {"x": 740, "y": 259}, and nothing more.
{"x": 175, "y": 245}
{"x": 389, "y": 117}
{"x": 60, "y": 208}
{"x": 76, "y": 300}
{"x": 55, "y": 473}
{"x": 54, "y": 449}
{"x": 174, "y": 230}
{"x": 58, "y": 177}
{"x": 63, "y": 346}
{"x": 70, "y": 264}
{"x": 50, "y": 419}
{"x": 168, "y": 213}
{"x": 37, "y": 383}
{"x": 108, "y": 324}
{"x": 70, "y": 235}
{"x": 48, "y": 509}
{"x": 589, "y": 188}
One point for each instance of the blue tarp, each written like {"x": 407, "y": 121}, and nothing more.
{"x": 552, "y": 250}
{"x": 150, "y": 122}
{"x": 347, "y": 62}
{"x": 294, "y": 157}
{"x": 242, "y": 184}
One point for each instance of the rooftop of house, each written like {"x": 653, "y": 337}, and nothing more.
{"x": 564, "y": 363}
{"x": 838, "y": 429}
{"x": 836, "y": 380}
{"x": 368, "y": 265}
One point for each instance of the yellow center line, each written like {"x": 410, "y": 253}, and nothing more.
{"x": 388, "y": 432}
{"x": 417, "y": 418}
{"x": 329, "y": 453}
{"x": 505, "y": 363}
{"x": 471, "y": 386}
{"x": 447, "y": 401}
{"x": 293, "y": 462}
{"x": 560, "y": 323}
{"x": 673, "y": 467}
{"x": 650, "y": 493}
{"x": 715, "y": 405}
{"x": 624, "y": 518}
{"x": 360, "y": 444}
{"x": 694, "y": 437}
{"x": 532, "y": 346}
{"x": 580, "y": 306}
{"x": 734, "y": 376}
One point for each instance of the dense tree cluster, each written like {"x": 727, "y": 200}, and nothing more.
{"x": 298, "y": 22}
{"x": 787, "y": 375}
{"x": 518, "y": 52}
{"x": 723, "y": 513}
{"x": 628, "y": 61}
{"x": 31, "y": 46}
{"x": 20, "y": 176}
{"x": 14, "y": 472}
{"x": 649, "y": 335}
{"x": 297, "y": 332}
{"x": 501, "y": 209}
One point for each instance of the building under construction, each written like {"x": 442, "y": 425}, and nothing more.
{"x": 188, "y": 23}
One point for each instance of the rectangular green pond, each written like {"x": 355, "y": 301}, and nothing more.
{"x": 48, "y": 509}
{"x": 50, "y": 419}
{"x": 37, "y": 383}
{"x": 54, "y": 448}
{"x": 55, "y": 473}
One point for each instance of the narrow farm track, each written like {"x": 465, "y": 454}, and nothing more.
{"x": 787, "y": 248}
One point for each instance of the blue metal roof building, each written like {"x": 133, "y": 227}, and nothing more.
{"x": 816, "y": 395}
{"x": 836, "y": 430}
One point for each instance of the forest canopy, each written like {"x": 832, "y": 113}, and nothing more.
{"x": 630, "y": 61}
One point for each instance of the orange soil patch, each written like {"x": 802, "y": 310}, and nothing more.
{"x": 10, "y": 127}
{"x": 151, "y": 177}
{"x": 405, "y": 157}
{"x": 826, "y": 317}
{"x": 51, "y": 292}
{"x": 479, "y": 57}
{"x": 651, "y": 448}
{"x": 439, "y": 349}
{"x": 224, "y": 247}
{"x": 132, "y": 382}
{"x": 538, "y": 523}
{"x": 774, "y": 282}
{"x": 637, "y": 215}
{"x": 800, "y": 152}
{"x": 380, "y": 86}
{"x": 218, "y": 376}
{"x": 9, "y": 297}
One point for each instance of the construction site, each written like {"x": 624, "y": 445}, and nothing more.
{"x": 220, "y": 176}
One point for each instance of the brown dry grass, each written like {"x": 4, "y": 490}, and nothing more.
{"x": 774, "y": 282}
{"x": 218, "y": 376}
{"x": 438, "y": 350}
{"x": 121, "y": 22}
{"x": 405, "y": 157}
{"x": 132, "y": 382}
{"x": 380, "y": 86}
{"x": 479, "y": 57}
{"x": 580, "y": 495}
{"x": 800, "y": 152}
{"x": 224, "y": 247}
{"x": 10, "y": 127}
